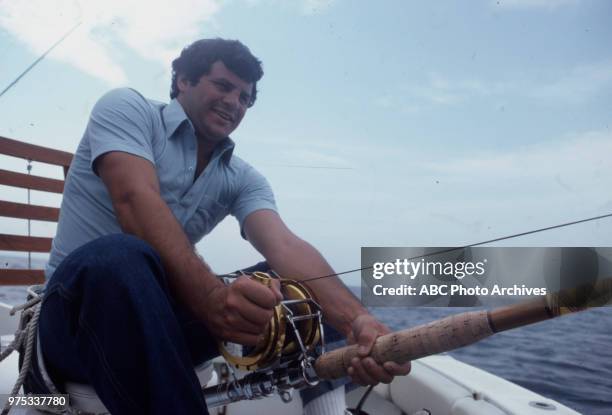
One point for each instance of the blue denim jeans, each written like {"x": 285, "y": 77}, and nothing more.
{"x": 108, "y": 319}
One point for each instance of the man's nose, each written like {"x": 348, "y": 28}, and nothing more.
{"x": 232, "y": 99}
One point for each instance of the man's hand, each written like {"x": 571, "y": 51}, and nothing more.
{"x": 240, "y": 312}
{"x": 364, "y": 370}
{"x": 290, "y": 256}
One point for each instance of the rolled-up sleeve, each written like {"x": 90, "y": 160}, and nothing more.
{"x": 121, "y": 121}
{"x": 254, "y": 194}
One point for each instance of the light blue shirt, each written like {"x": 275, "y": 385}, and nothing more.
{"x": 123, "y": 120}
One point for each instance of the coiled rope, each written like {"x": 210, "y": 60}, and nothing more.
{"x": 31, "y": 311}
{"x": 25, "y": 338}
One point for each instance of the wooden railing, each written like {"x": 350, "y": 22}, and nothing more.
{"x": 9, "y": 242}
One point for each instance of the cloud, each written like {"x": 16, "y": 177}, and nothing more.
{"x": 307, "y": 7}
{"x": 573, "y": 85}
{"x": 154, "y": 31}
{"x": 576, "y": 162}
{"x": 480, "y": 196}
{"x": 311, "y": 157}
{"x": 532, "y": 4}
{"x": 391, "y": 102}
{"x": 440, "y": 91}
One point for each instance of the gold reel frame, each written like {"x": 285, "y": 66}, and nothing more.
{"x": 298, "y": 314}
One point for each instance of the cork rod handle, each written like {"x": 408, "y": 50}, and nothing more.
{"x": 466, "y": 328}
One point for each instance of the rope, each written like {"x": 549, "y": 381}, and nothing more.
{"x": 25, "y": 336}
{"x": 20, "y": 334}
{"x": 27, "y": 359}
{"x": 15, "y": 344}
{"x": 29, "y": 333}
{"x": 24, "y": 306}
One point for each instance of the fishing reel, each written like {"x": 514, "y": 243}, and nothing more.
{"x": 283, "y": 360}
{"x": 294, "y": 331}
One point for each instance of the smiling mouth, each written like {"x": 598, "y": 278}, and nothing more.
{"x": 224, "y": 115}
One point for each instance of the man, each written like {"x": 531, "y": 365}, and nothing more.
{"x": 130, "y": 307}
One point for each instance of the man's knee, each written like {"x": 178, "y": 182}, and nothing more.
{"x": 116, "y": 259}
{"x": 118, "y": 247}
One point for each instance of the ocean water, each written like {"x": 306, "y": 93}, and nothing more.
{"x": 568, "y": 359}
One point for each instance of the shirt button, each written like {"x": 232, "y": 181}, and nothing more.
{"x": 190, "y": 169}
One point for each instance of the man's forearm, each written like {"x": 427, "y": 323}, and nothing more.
{"x": 146, "y": 215}
{"x": 300, "y": 260}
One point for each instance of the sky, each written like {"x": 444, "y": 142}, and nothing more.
{"x": 393, "y": 123}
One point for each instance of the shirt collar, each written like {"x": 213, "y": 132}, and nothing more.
{"x": 225, "y": 149}
{"x": 174, "y": 116}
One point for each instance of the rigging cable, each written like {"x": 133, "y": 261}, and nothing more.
{"x": 39, "y": 59}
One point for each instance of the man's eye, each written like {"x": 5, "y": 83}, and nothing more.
{"x": 222, "y": 86}
{"x": 245, "y": 99}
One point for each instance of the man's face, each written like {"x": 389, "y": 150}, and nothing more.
{"x": 217, "y": 103}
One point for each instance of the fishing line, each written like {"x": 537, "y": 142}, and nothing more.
{"x": 303, "y": 166}
{"x": 443, "y": 251}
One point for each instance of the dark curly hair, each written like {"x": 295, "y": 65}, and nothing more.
{"x": 196, "y": 60}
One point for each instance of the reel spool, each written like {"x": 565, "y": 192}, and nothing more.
{"x": 294, "y": 331}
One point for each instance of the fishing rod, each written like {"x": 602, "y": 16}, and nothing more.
{"x": 292, "y": 354}
{"x": 466, "y": 328}
{"x": 307, "y": 368}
